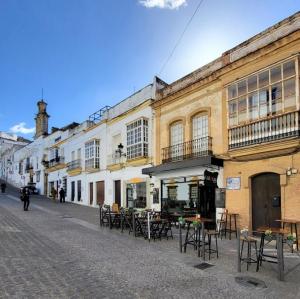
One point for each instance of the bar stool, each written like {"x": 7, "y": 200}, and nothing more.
{"x": 251, "y": 244}
{"x": 221, "y": 224}
{"x": 210, "y": 250}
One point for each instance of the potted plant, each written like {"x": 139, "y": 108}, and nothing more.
{"x": 290, "y": 239}
{"x": 245, "y": 232}
{"x": 181, "y": 220}
{"x": 196, "y": 224}
{"x": 268, "y": 235}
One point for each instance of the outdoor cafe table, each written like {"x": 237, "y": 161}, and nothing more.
{"x": 276, "y": 259}
{"x": 293, "y": 224}
{"x": 194, "y": 237}
{"x": 154, "y": 227}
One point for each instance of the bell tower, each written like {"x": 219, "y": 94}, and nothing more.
{"x": 41, "y": 119}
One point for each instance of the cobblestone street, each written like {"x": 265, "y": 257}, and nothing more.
{"x": 59, "y": 251}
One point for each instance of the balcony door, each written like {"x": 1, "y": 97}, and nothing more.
{"x": 199, "y": 134}
{"x": 265, "y": 204}
{"x": 176, "y": 140}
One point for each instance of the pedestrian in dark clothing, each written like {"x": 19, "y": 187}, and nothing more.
{"x": 3, "y": 187}
{"x": 62, "y": 195}
{"x": 25, "y": 197}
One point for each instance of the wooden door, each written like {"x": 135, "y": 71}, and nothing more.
{"x": 265, "y": 187}
{"x": 118, "y": 192}
{"x": 100, "y": 192}
{"x": 91, "y": 193}
{"x": 72, "y": 191}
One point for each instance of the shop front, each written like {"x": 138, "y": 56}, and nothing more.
{"x": 189, "y": 190}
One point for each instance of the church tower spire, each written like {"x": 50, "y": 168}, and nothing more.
{"x": 41, "y": 119}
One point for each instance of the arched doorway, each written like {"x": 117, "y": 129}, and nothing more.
{"x": 265, "y": 200}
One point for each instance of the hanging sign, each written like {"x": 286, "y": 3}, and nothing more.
{"x": 210, "y": 178}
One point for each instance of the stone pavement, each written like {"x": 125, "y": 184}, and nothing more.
{"x": 59, "y": 251}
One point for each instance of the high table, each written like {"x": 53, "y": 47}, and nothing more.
{"x": 293, "y": 224}
{"x": 278, "y": 259}
{"x": 193, "y": 238}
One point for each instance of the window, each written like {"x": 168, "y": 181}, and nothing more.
{"x": 242, "y": 110}
{"x": 253, "y": 106}
{"x": 200, "y": 126}
{"x": 172, "y": 192}
{"x": 232, "y": 113}
{"x": 137, "y": 195}
{"x": 92, "y": 154}
{"x": 266, "y": 93}
{"x": 176, "y": 132}
{"x": 38, "y": 176}
{"x": 137, "y": 139}
{"x": 200, "y": 133}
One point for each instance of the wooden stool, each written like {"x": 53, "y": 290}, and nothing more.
{"x": 249, "y": 259}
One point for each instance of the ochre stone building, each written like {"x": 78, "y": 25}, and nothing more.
{"x": 234, "y": 124}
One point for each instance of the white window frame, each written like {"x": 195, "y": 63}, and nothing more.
{"x": 137, "y": 133}
{"x": 269, "y": 88}
{"x": 92, "y": 154}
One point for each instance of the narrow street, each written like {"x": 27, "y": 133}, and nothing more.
{"x": 59, "y": 251}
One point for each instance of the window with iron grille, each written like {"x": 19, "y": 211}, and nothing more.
{"x": 137, "y": 139}
{"x": 92, "y": 154}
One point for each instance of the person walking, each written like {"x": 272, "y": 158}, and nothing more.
{"x": 3, "y": 187}
{"x": 62, "y": 194}
{"x": 25, "y": 197}
{"x": 53, "y": 193}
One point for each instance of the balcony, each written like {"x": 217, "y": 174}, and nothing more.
{"x": 261, "y": 131}
{"x": 187, "y": 150}
{"x": 74, "y": 167}
{"x": 92, "y": 164}
{"x": 75, "y": 164}
{"x": 56, "y": 161}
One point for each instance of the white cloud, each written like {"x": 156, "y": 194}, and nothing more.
{"x": 21, "y": 128}
{"x": 170, "y": 4}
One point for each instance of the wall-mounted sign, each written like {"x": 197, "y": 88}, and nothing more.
{"x": 233, "y": 183}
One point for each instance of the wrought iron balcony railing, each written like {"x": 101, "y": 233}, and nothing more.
{"x": 115, "y": 158}
{"x": 187, "y": 150}
{"x": 75, "y": 164}
{"x": 56, "y": 161}
{"x": 260, "y": 131}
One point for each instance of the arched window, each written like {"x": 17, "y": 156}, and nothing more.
{"x": 176, "y": 133}
{"x": 176, "y": 141}
{"x": 200, "y": 126}
{"x": 200, "y": 142}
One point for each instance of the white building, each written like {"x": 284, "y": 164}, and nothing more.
{"x": 9, "y": 144}
{"x": 98, "y": 161}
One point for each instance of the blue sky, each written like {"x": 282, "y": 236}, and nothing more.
{"x": 90, "y": 53}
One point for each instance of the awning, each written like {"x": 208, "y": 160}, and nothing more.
{"x": 206, "y": 161}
